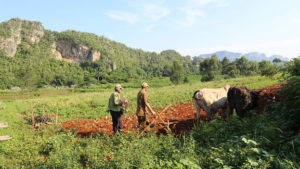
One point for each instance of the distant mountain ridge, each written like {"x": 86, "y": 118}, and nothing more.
{"x": 255, "y": 56}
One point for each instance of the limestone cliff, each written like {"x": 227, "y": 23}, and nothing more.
{"x": 16, "y": 31}
{"x": 70, "y": 52}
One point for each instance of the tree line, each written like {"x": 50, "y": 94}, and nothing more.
{"x": 211, "y": 68}
{"x": 36, "y": 72}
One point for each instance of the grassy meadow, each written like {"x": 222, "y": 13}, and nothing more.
{"x": 217, "y": 144}
{"x": 87, "y": 104}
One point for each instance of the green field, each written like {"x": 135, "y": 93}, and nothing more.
{"x": 86, "y": 104}
{"x": 216, "y": 144}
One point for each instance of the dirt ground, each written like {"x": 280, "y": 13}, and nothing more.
{"x": 178, "y": 119}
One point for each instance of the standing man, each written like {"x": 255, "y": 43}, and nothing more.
{"x": 142, "y": 103}
{"x": 115, "y": 107}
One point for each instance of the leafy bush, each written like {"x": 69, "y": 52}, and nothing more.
{"x": 288, "y": 109}
{"x": 270, "y": 71}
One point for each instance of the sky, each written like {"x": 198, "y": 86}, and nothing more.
{"x": 191, "y": 27}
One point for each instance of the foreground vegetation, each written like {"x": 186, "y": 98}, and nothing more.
{"x": 259, "y": 142}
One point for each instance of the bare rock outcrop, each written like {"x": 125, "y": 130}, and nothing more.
{"x": 95, "y": 55}
{"x": 77, "y": 53}
{"x": 17, "y": 30}
{"x": 37, "y": 33}
{"x": 10, "y": 42}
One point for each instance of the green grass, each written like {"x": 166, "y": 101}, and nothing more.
{"x": 206, "y": 146}
{"x": 94, "y": 104}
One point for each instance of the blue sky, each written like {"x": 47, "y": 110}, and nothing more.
{"x": 191, "y": 27}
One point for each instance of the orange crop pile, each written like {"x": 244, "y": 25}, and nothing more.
{"x": 178, "y": 119}
{"x": 268, "y": 93}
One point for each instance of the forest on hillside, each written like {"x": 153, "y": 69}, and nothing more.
{"x": 31, "y": 71}
{"x": 34, "y": 64}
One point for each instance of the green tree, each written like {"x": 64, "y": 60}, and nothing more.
{"x": 294, "y": 67}
{"x": 276, "y": 61}
{"x": 267, "y": 69}
{"x": 167, "y": 70}
{"x": 196, "y": 64}
{"x": 253, "y": 67}
{"x": 231, "y": 70}
{"x": 287, "y": 110}
{"x": 177, "y": 73}
{"x": 215, "y": 65}
{"x": 243, "y": 66}
{"x": 209, "y": 68}
{"x": 263, "y": 65}
{"x": 225, "y": 63}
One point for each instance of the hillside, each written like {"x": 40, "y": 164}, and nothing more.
{"x": 71, "y": 46}
{"x": 88, "y": 58}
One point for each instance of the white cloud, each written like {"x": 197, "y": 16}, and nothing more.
{"x": 202, "y": 3}
{"x": 123, "y": 16}
{"x": 150, "y": 13}
{"x": 155, "y": 12}
{"x": 288, "y": 48}
{"x": 194, "y": 10}
{"x": 191, "y": 17}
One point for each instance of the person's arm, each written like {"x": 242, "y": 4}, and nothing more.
{"x": 147, "y": 103}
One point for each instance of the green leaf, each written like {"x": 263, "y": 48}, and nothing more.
{"x": 189, "y": 163}
{"x": 266, "y": 154}
{"x": 252, "y": 161}
{"x": 249, "y": 141}
{"x": 226, "y": 167}
{"x": 220, "y": 161}
{"x": 257, "y": 150}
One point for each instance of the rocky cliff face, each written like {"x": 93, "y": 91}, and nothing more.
{"x": 12, "y": 39}
{"x": 16, "y": 31}
{"x": 70, "y": 52}
{"x": 36, "y": 35}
